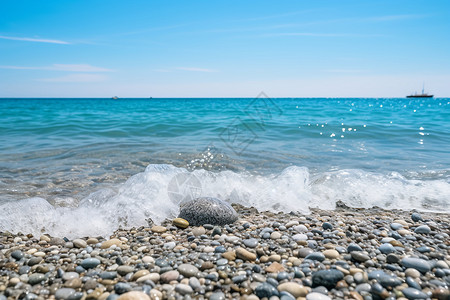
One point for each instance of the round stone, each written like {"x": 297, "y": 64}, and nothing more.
{"x": 64, "y": 293}
{"x": 359, "y": 256}
{"x": 109, "y": 243}
{"x": 180, "y": 223}
{"x": 266, "y": 290}
{"x": 327, "y": 226}
{"x": 17, "y": 254}
{"x": 79, "y": 243}
{"x": 134, "y": 295}
{"x": 124, "y": 270}
{"x": 396, "y": 226}
{"x": 331, "y": 254}
{"x": 299, "y": 237}
{"x": 293, "y": 288}
{"x": 353, "y": 247}
{"x": 416, "y": 217}
{"x": 183, "y": 289}
{"x": 36, "y": 278}
{"x": 424, "y": 229}
{"x": 139, "y": 274}
{"x": 207, "y": 210}
{"x": 389, "y": 281}
{"x": 410, "y": 272}
{"x": 169, "y": 276}
{"x": 275, "y": 235}
{"x": 158, "y": 229}
{"x": 416, "y": 263}
{"x": 188, "y": 270}
{"x": 317, "y": 296}
{"x": 327, "y": 278}
{"x": 90, "y": 263}
{"x": 304, "y": 252}
{"x": 70, "y": 275}
{"x": 217, "y": 296}
{"x": 245, "y": 255}
{"x": 386, "y": 248}
{"x": 316, "y": 256}
{"x": 412, "y": 293}
{"x": 122, "y": 288}
{"x": 301, "y": 228}
{"x": 251, "y": 243}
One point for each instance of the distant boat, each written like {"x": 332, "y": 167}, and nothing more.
{"x": 422, "y": 95}
{"x": 115, "y": 98}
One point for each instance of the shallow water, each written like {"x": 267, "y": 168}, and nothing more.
{"x": 95, "y": 164}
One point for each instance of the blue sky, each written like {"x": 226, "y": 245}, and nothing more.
{"x": 224, "y": 48}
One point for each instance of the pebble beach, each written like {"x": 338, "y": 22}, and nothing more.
{"x": 347, "y": 253}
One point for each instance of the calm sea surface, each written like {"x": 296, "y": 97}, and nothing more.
{"x": 95, "y": 164}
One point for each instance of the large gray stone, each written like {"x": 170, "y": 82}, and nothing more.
{"x": 327, "y": 278}
{"x": 416, "y": 263}
{"x": 207, "y": 210}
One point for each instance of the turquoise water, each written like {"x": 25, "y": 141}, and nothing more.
{"x": 62, "y": 155}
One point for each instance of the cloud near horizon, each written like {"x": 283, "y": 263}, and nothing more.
{"x": 26, "y": 39}
{"x": 79, "y": 77}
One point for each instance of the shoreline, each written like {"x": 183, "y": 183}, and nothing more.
{"x": 347, "y": 253}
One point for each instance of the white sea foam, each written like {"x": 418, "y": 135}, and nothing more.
{"x": 150, "y": 194}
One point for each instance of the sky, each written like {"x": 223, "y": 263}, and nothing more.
{"x": 321, "y": 48}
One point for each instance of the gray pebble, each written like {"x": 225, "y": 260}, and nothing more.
{"x": 64, "y": 293}
{"x": 207, "y": 210}
{"x": 217, "y": 296}
{"x": 359, "y": 256}
{"x": 251, "y": 243}
{"x": 416, "y": 217}
{"x": 122, "y": 287}
{"x": 327, "y": 278}
{"x": 266, "y": 290}
{"x": 316, "y": 256}
{"x": 90, "y": 263}
{"x": 17, "y": 254}
{"x": 416, "y": 263}
{"x": 353, "y": 247}
{"x": 188, "y": 270}
{"x": 183, "y": 289}
{"x": 386, "y": 248}
{"x": 36, "y": 278}
{"x": 424, "y": 229}
{"x": 412, "y": 293}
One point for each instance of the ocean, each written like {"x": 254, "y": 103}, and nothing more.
{"x": 85, "y": 167}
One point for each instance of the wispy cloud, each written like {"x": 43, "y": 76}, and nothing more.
{"x": 26, "y": 39}
{"x": 62, "y": 67}
{"x": 196, "y": 69}
{"x": 394, "y": 17}
{"x": 311, "y": 34}
{"x": 81, "y": 77}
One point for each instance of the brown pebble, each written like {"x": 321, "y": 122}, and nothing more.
{"x": 230, "y": 255}
{"x": 341, "y": 284}
{"x": 109, "y": 243}
{"x": 158, "y": 229}
{"x": 180, "y": 223}
{"x": 207, "y": 265}
{"x": 245, "y": 255}
{"x": 74, "y": 283}
{"x": 356, "y": 295}
{"x": 275, "y": 268}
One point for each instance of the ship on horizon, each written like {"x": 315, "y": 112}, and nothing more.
{"x": 422, "y": 95}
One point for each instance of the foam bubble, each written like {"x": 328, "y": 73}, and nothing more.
{"x": 147, "y": 195}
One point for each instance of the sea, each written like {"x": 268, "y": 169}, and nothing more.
{"x": 86, "y": 167}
